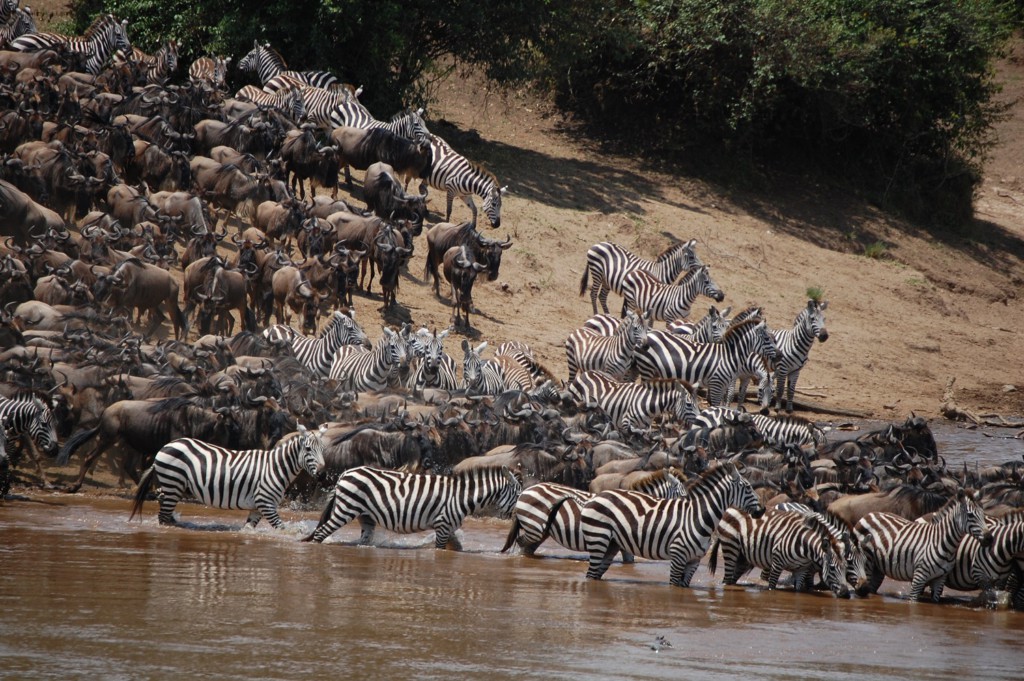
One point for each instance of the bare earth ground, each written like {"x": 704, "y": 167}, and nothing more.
{"x": 899, "y": 326}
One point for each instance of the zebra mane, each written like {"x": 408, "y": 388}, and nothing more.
{"x": 672, "y": 250}
{"x": 686, "y": 277}
{"x": 685, "y": 385}
{"x": 98, "y": 24}
{"x": 275, "y": 55}
{"x": 710, "y": 477}
{"x": 752, "y": 312}
{"x": 737, "y": 329}
{"x": 658, "y": 476}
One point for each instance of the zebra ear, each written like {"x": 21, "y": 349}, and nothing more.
{"x": 302, "y": 429}
{"x": 480, "y": 348}
{"x": 465, "y": 346}
{"x": 823, "y": 305}
{"x": 691, "y": 243}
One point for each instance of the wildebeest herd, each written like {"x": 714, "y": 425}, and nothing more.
{"x": 125, "y": 190}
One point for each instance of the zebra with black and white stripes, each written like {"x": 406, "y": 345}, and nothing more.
{"x": 794, "y": 346}
{"x": 713, "y": 365}
{"x": 152, "y": 69}
{"x": 211, "y": 71}
{"x": 19, "y": 23}
{"x": 550, "y": 509}
{"x": 288, "y": 101}
{"x": 492, "y": 376}
{"x": 317, "y": 353}
{"x": 678, "y": 530}
{"x": 708, "y": 329}
{"x": 457, "y": 176}
{"x": 7, "y": 10}
{"x": 406, "y": 503}
{"x": 632, "y": 406}
{"x": 644, "y": 294}
{"x": 266, "y": 63}
{"x": 856, "y": 560}
{"x": 921, "y": 552}
{"x": 252, "y": 479}
{"x": 752, "y": 368}
{"x": 29, "y": 418}
{"x": 103, "y": 37}
{"x": 783, "y": 540}
{"x": 586, "y": 350}
{"x": 436, "y": 368}
{"x": 358, "y": 369}
{"x": 608, "y": 264}
{"x": 989, "y": 567}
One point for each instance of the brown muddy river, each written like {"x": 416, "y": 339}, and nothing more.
{"x": 86, "y": 594}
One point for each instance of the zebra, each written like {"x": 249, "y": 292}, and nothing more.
{"x": 632, "y": 406}
{"x": 317, "y": 354}
{"x": 780, "y": 541}
{"x": 794, "y": 346}
{"x": 713, "y": 365}
{"x": 155, "y": 69}
{"x": 407, "y": 123}
{"x": 642, "y": 292}
{"x": 252, "y": 479}
{"x": 20, "y": 23}
{"x": 608, "y": 264}
{"x": 436, "y": 368}
{"x": 266, "y": 62}
{"x": 586, "y": 350}
{"x": 788, "y": 430}
{"x": 708, "y": 329}
{"x": 856, "y": 560}
{"x": 288, "y": 101}
{"x": 28, "y": 417}
{"x": 212, "y": 71}
{"x": 367, "y": 370}
{"x": 493, "y": 376}
{"x": 752, "y": 367}
{"x": 552, "y": 509}
{"x": 987, "y": 567}
{"x": 457, "y": 176}
{"x": 103, "y": 37}
{"x": 678, "y": 530}
{"x": 920, "y": 552}
{"x": 403, "y": 502}
{"x": 7, "y": 10}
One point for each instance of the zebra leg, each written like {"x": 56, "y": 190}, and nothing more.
{"x": 168, "y": 501}
{"x": 448, "y": 206}
{"x": 628, "y": 558}
{"x": 917, "y": 585}
{"x": 780, "y": 384}
{"x": 603, "y": 295}
{"x": 790, "y": 389}
{"x": 253, "y": 519}
{"x": 680, "y": 573}
{"x": 773, "y": 574}
{"x": 367, "y": 526}
{"x": 937, "y": 586}
{"x": 600, "y": 560}
{"x": 266, "y": 508}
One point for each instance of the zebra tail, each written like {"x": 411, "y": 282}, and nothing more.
{"x": 328, "y": 509}
{"x": 145, "y": 485}
{"x": 584, "y": 280}
{"x": 713, "y": 556}
{"x": 551, "y": 517}
{"x": 73, "y": 443}
{"x": 513, "y": 534}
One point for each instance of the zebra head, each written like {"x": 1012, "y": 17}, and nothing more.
{"x": 42, "y": 428}
{"x": 685, "y": 407}
{"x": 636, "y": 327}
{"x": 706, "y": 286}
{"x": 814, "y": 319}
{"x": 740, "y": 494}
{"x": 250, "y": 62}
{"x": 311, "y": 449}
{"x": 856, "y": 565}
{"x": 392, "y": 346}
{"x": 492, "y": 204}
{"x": 764, "y": 342}
{"x": 718, "y": 322}
{"x": 508, "y": 493}
{"x": 433, "y": 351}
{"x": 119, "y": 36}
{"x": 472, "y": 365}
{"x": 220, "y": 71}
{"x": 352, "y": 332}
{"x": 833, "y": 569}
{"x": 970, "y": 517}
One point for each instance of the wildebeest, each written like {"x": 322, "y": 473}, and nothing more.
{"x": 460, "y": 270}
{"x": 360, "y": 148}
{"x": 158, "y": 168}
{"x": 305, "y": 158}
{"x": 385, "y": 197}
{"x": 146, "y": 288}
{"x": 21, "y": 216}
{"x": 445, "y": 235}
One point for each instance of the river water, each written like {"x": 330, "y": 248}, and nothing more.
{"x": 86, "y": 594}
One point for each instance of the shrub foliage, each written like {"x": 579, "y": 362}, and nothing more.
{"x": 897, "y": 96}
